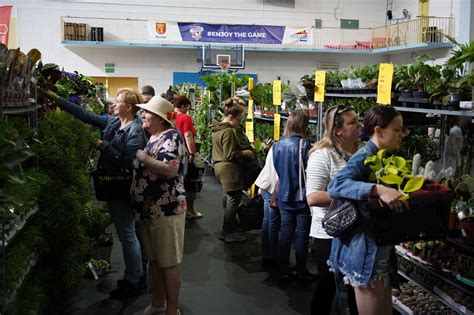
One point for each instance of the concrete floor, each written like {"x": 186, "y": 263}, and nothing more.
{"x": 217, "y": 278}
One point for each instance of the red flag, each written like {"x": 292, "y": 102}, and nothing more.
{"x": 5, "y": 13}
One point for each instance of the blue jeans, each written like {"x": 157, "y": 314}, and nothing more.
{"x": 122, "y": 216}
{"x": 294, "y": 222}
{"x": 270, "y": 228}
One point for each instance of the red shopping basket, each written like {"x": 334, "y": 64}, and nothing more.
{"x": 427, "y": 217}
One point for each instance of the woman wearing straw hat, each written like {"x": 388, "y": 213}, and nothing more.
{"x": 159, "y": 199}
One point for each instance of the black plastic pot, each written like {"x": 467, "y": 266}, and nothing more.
{"x": 406, "y": 94}
{"x": 417, "y": 94}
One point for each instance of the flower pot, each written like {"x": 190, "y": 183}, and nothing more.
{"x": 417, "y": 94}
{"x": 102, "y": 253}
{"x": 407, "y": 94}
{"x": 453, "y": 220}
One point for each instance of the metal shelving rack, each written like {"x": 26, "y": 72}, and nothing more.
{"x": 431, "y": 288}
{"x": 29, "y": 110}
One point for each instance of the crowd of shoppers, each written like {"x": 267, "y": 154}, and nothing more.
{"x": 151, "y": 136}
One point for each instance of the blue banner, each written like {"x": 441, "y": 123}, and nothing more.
{"x": 227, "y": 33}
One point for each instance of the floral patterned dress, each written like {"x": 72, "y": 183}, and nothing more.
{"x": 154, "y": 196}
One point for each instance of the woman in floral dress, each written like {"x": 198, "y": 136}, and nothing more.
{"x": 159, "y": 199}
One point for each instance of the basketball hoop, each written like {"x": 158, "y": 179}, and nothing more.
{"x": 224, "y": 66}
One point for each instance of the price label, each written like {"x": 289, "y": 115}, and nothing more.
{"x": 251, "y": 84}
{"x": 277, "y": 92}
{"x": 319, "y": 83}
{"x": 250, "y": 109}
{"x": 249, "y": 130}
{"x": 384, "y": 88}
{"x": 276, "y": 127}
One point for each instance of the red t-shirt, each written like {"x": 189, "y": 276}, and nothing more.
{"x": 184, "y": 122}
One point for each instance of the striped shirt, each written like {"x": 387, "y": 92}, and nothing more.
{"x": 323, "y": 164}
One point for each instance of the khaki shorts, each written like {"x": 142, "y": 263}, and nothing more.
{"x": 163, "y": 239}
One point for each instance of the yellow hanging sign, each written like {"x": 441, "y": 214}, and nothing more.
{"x": 277, "y": 92}
{"x": 250, "y": 109}
{"x": 251, "y": 84}
{"x": 319, "y": 83}
{"x": 384, "y": 88}
{"x": 276, "y": 127}
{"x": 249, "y": 130}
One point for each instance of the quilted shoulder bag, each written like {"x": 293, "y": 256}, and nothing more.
{"x": 339, "y": 219}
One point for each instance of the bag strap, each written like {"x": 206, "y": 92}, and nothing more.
{"x": 301, "y": 169}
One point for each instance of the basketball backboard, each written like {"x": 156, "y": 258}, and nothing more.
{"x": 214, "y": 57}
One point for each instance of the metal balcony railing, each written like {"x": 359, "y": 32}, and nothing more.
{"x": 423, "y": 30}
{"x": 134, "y": 31}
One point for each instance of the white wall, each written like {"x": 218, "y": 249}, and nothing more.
{"x": 39, "y": 27}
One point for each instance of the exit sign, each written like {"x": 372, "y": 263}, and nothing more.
{"x": 109, "y": 70}
{"x": 110, "y": 65}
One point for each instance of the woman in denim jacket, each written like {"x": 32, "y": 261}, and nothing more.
{"x": 290, "y": 157}
{"x": 123, "y": 135}
{"x": 367, "y": 267}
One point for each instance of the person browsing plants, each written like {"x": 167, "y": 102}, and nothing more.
{"x": 185, "y": 125}
{"x": 122, "y": 136}
{"x": 159, "y": 201}
{"x": 327, "y": 156}
{"x": 229, "y": 155}
{"x": 369, "y": 268}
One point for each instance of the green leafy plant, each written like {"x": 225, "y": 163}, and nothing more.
{"x": 461, "y": 53}
{"x": 202, "y": 119}
{"x": 262, "y": 95}
{"x": 393, "y": 170}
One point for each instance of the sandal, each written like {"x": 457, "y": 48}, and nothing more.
{"x": 194, "y": 216}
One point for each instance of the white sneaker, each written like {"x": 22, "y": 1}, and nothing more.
{"x": 150, "y": 310}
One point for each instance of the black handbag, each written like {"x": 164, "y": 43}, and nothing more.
{"x": 340, "y": 219}
{"x": 112, "y": 184}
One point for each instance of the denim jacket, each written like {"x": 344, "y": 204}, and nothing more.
{"x": 286, "y": 162}
{"x": 119, "y": 147}
{"x": 354, "y": 255}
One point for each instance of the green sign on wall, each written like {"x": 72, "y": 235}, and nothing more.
{"x": 110, "y": 68}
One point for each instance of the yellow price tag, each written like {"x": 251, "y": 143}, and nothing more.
{"x": 252, "y": 191}
{"x": 276, "y": 127}
{"x": 250, "y": 109}
{"x": 384, "y": 88}
{"x": 276, "y": 92}
{"x": 249, "y": 130}
{"x": 251, "y": 84}
{"x": 319, "y": 83}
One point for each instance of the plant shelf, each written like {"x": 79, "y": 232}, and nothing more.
{"x": 19, "y": 226}
{"x": 350, "y": 95}
{"x": 469, "y": 113}
{"x": 439, "y": 274}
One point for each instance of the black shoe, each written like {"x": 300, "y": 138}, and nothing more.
{"x": 142, "y": 284}
{"x": 305, "y": 276}
{"x": 126, "y": 290}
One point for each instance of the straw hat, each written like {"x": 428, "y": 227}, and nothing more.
{"x": 161, "y": 107}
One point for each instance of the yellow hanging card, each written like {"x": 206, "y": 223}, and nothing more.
{"x": 249, "y": 130}
{"x": 276, "y": 127}
{"x": 250, "y": 84}
{"x": 384, "y": 88}
{"x": 250, "y": 109}
{"x": 276, "y": 92}
{"x": 319, "y": 82}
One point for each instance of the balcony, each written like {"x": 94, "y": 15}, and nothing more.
{"x": 420, "y": 34}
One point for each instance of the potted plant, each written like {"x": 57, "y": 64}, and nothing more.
{"x": 393, "y": 171}
{"x": 96, "y": 220}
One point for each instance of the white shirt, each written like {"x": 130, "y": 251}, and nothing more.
{"x": 268, "y": 177}
{"x": 323, "y": 164}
